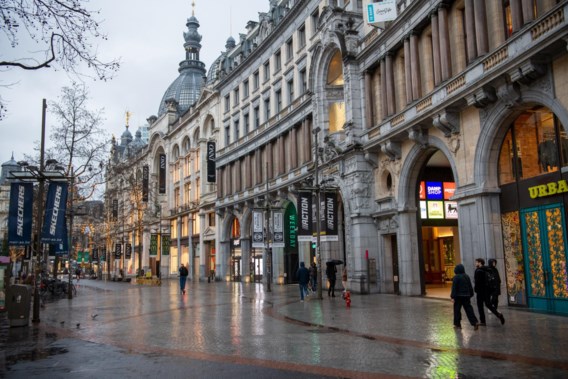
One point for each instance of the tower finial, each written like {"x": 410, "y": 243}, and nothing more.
{"x": 193, "y": 8}
{"x": 128, "y": 114}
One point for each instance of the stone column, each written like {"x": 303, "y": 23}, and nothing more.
{"x": 445, "y": 57}
{"x": 363, "y": 239}
{"x": 384, "y": 93}
{"x": 470, "y": 31}
{"x": 482, "y": 39}
{"x": 391, "y": 105}
{"x": 516, "y": 14}
{"x": 369, "y": 103}
{"x": 223, "y": 261}
{"x": 409, "y": 254}
{"x": 415, "y": 66}
{"x": 202, "y": 253}
{"x": 268, "y": 160}
{"x": 436, "y": 49}
{"x": 528, "y": 11}
{"x": 281, "y": 156}
{"x": 408, "y": 70}
{"x": 293, "y": 147}
{"x": 245, "y": 259}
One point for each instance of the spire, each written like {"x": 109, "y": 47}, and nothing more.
{"x": 193, "y": 8}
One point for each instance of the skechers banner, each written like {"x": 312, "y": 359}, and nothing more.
{"x": 54, "y": 223}
{"x": 63, "y": 247}
{"x": 211, "y": 162}
{"x": 20, "y": 214}
{"x": 305, "y": 213}
{"x": 162, "y": 174}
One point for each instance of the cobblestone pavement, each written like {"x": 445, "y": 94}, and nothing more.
{"x": 238, "y": 330}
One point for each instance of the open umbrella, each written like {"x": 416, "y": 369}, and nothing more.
{"x": 334, "y": 262}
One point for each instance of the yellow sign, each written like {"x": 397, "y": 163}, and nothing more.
{"x": 549, "y": 189}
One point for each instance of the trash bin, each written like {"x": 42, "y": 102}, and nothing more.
{"x": 18, "y": 301}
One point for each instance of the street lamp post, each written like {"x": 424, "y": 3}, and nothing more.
{"x": 318, "y": 224}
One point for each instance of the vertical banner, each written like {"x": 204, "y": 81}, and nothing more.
{"x": 55, "y": 206}
{"x": 278, "y": 229}
{"x": 128, "y": 251}
{"x": 103, "y": 254}
{"x": 257, "y": 230}
{"x": 166, "y": 244}
{"x": 20, "y": 214}
{"x": 304, "y": 210}
{"x": 211, "y": 162}
{"x": 162, "y": 174}
{"x": 145, "y": 182}
{"x": 117, "y": 250}
{"x": 95, "y": 254}
{"x": 329, "y": 227}
{"x": 115, "y": 210}
{"x": 153, "y": 245}
{"x": 63, "y": 247}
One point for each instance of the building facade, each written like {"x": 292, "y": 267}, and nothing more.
{"x": 431, "y": 139}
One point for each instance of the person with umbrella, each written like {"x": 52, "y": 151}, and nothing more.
{"x": 331, "y": 271}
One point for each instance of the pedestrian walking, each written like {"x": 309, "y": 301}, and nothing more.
{"x": 314, "y": 276}
{"x": 303, "y": 276}
{"x": 331, "y": 272}
{"x": 483, "y": 292}
{"x": 494, "y": 283}
{"x": 462, "y": 292}
{"x": 183, "y": 273}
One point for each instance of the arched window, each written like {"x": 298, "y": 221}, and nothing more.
{"x": 535, "y": 144}
{"x": 335, "y": 70}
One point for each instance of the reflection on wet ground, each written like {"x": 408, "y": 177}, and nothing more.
{"x": 241, "y": 324}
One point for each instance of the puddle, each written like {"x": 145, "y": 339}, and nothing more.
{"x": 34, "y": 355}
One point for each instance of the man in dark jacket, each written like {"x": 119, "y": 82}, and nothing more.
{"x": 303, "y": 276}
{"x": 495, "y": 287}
{"x": 462, "y": 291}
{"x": 482, "y": 291}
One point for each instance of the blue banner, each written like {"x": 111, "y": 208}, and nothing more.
{"x": 53, "y": 231}
{"x": 63, "y": 247}
{"x": 20, "y": 214}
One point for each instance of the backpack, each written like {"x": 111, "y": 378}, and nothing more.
{"x": 491, "y": 280}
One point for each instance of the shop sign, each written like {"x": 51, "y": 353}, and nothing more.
{"x": 549, "y": 189}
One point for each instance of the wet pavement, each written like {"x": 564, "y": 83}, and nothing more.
{"x": 233, "y": 330}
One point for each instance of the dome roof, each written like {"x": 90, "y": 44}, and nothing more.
{"x": 126, "y": 137}
{"x": 8, "y": 167}
{"x": 185, "y": 90}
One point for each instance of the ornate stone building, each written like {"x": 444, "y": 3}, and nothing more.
{"x": 430, "y": 139}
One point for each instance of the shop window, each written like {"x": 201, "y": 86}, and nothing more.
{"x": 536, "y": 144}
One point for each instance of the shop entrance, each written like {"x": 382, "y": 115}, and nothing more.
{"x": 256, "y": 265}
{"x": 438, "y": 221}
{"x": 544, "y": 245}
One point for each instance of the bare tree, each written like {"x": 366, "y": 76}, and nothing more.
{"x": 81, "y": 145}
{"x": 64, "y": 30}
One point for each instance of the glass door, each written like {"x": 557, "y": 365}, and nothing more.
{"x": 544, "y": 245}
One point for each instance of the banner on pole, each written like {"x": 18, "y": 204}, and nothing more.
{"x": 55, "y": 208}
{"x": 166, "y": 244}
{"x": 162, "y": 174}
{"x": 278, "y": 229}
{"x": 305, "y": 216}
{"x": 211, "y": 151}
{"x": 153, "y": 245}
{"x": 329, "y": 217}
{"x": 20, "y": 214}
{"x": 257, "y": 230}
{"x": 145, "y": 182}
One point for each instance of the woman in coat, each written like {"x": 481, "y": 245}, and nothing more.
{"x": 462, "y": 291}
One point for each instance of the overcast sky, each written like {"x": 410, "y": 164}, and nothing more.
{"x": 147, "y": 36}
